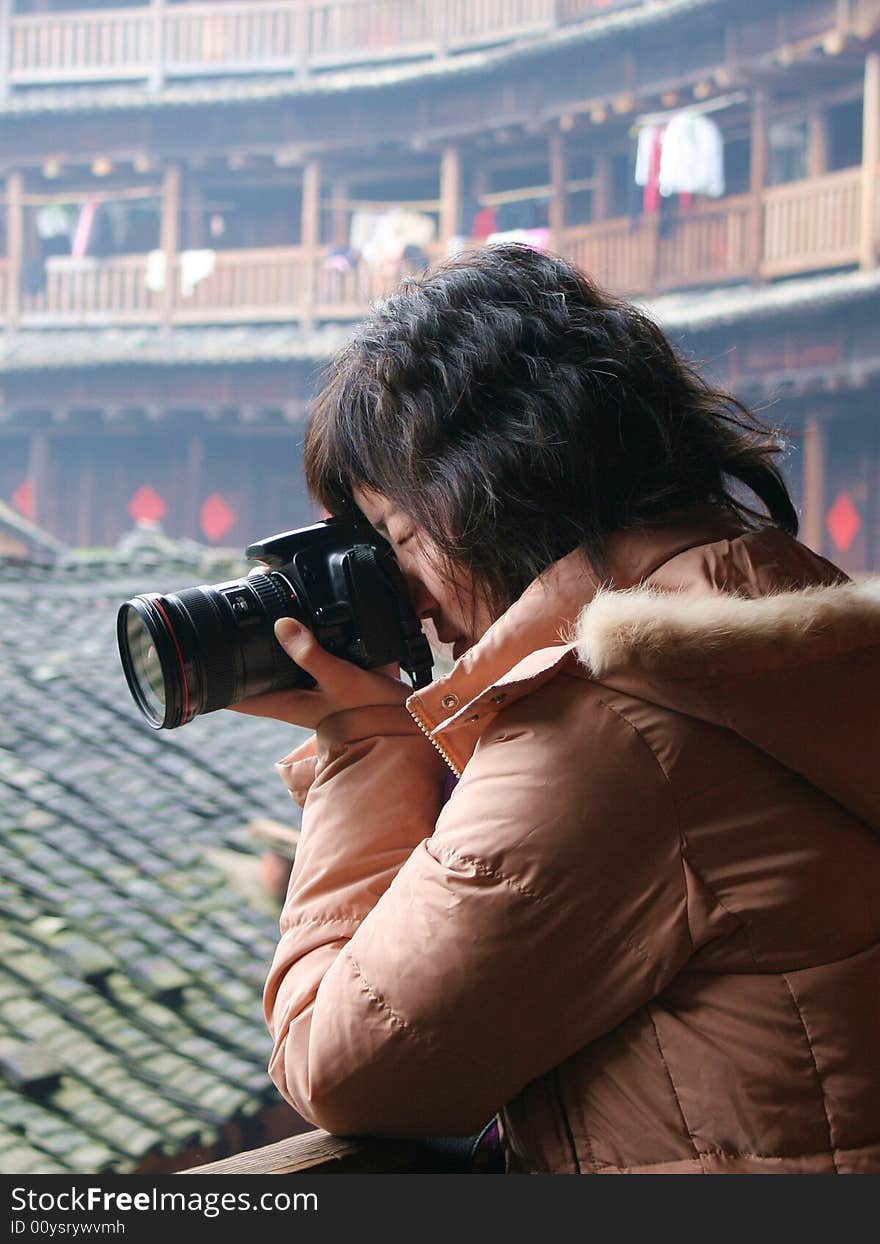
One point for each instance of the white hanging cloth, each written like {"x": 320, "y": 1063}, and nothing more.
{"x": 195, "y": 266}
{"x": 692, "y": 160}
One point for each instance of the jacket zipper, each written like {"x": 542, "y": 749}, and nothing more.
{"x": 427, "y": 733}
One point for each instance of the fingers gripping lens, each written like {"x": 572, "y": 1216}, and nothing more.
{"x": 205, "y": 648}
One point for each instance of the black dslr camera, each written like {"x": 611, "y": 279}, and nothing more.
{"x": 206, "y": 648}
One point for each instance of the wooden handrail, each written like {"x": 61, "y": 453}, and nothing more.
{"x": 318, "y": 1153}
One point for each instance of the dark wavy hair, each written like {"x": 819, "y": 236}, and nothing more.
{"x": 515, "y": 411}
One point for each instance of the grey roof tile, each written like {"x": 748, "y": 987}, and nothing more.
{"x": 94, "y": 895}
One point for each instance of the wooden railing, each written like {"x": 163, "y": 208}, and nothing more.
{"x": 189, "y": 40}
{"x": 468, "y": 23}
{"x": 317, "y": 1153}
{"x": 805, "y": 226}
{"x": 254, "y": 285}
{"x": 92, "y": 291}
{"x": 199, "y": 38}
{"x": 637, "y": 256}
{"x": 707, "y": 247}
{"x": 618, "y": 254}
{"x": 68, "y": 47}
{"x": 810, "y": 225}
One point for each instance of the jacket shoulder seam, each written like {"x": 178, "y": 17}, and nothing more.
{"x": 394, "y": 1018}
{"x": 486, "y": 870}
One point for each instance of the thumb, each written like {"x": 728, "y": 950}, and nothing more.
{"x": 300, "y": 645}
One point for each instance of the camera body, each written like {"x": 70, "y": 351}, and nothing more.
{"x": 209, "y": 647}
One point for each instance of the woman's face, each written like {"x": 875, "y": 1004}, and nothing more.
{"x": 449, "y": 606}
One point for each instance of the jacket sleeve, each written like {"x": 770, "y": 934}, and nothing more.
{"x": 425, "y": 974}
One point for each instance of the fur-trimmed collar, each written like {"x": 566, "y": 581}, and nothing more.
{"x": 684, "y": 635}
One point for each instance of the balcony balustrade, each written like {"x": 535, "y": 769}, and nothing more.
{"x": 807, "y": 226}
{"x": 191, "y": 40}
{"x": 812, "y": 224}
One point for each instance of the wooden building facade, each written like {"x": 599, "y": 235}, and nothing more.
{"x": 194, "y": 196}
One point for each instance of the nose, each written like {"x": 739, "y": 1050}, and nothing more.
{"x": 423, "y": 603}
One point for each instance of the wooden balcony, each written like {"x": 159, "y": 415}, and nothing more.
{"x": 192, "y": 40}
{"x": 805, "y": 226}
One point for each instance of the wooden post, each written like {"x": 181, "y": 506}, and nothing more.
{"x": 170, "y": 239}
{"x": 817, "y": 142}
{"x": 5, "y": 46}
{"x": 14, "y": 246}
{"x": 556, "y": 214}
{"x": 814, "y": 483}
{"x": 310, "y": 234}
{"x": 341, "y": 215}
{"x": 194, "y": 214}
{"x": 157, "y": 73}
{"x": 870, "y": 161}
{"x": 758, "y": 177}
{"x": 602, "y": 194}
{"x": 450, "y": 193}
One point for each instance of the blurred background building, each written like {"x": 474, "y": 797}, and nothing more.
{"x": 199, "y": 200}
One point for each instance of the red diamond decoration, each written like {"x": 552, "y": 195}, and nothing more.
{"x": 843, "y": 521}
{"x": 216, "y": 517}
{"x": 23, "y": 498}
{"x": 146, "y": 506}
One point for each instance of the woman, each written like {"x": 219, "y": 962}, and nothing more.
{"x": 643, "y": 927}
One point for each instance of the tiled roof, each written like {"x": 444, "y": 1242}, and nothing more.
{"x": 31, "y": 349}
{"x": 39, "y": 543}
{"x": 131, "y": 968}
{"x": 693, "y": 311}
{"x": 243, "y": 89}
{"x": 717, "y": 307}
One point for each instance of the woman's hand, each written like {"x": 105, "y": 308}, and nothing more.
{"x": 341, "y": 684}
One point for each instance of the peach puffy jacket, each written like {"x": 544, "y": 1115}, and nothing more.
{"x": 645, "y": 928}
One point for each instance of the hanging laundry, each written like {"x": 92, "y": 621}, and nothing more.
{"x": 195, "y": 266}
{"x": 155, "y": 273}
{"x": 363, "y": 226}
{"x": 484, "y": 223}
{"x": 55, "y": 220}
{"x": 648, "y": 159}
{"x": 692, "y": 157}
{"x": 382, "y": 237}
{"x": 83, "y": 232}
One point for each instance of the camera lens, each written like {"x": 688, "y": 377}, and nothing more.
{"x": 206, "y": 647}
